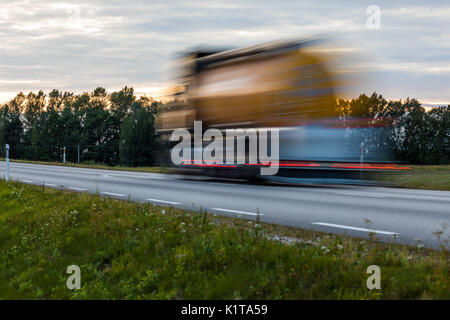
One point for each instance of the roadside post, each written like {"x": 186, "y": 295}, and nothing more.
{"x": 361, "y": 160}
{"x": 64, "y": 155}
{"x": 7, "y": 163}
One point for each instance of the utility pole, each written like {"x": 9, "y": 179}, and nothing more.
{"x": 64, "y": 155}
{"x": 7, "y": 163}
{"x": 78, "y": 154}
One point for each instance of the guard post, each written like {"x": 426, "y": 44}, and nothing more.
{"x": 7, "y": 163}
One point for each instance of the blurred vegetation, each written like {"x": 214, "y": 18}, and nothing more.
{"x": 139, "y": 251}
{"x": 414, "y": 135}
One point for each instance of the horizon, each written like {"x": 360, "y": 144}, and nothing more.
{"x": 163, "y": 97}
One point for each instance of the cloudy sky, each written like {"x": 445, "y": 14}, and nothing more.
{"x": 79, "y": 45}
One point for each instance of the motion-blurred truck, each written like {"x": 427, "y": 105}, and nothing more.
{"x": 284, "y": 85}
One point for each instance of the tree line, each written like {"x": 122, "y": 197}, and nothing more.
{"x": 413, "y": 134}
{"x": 119, "y": 129}
{"x": 109, "y": 128}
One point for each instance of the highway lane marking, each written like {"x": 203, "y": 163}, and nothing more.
{"x": 237, "y": 211}
{"x": 138, "y": 177}
{"x": 222, "y": 184}
{"x": 397, "y": 196}
{"x": 355, "y": 228}
{"x": 78, "y": 189}
{"x": 361, "y": 194}
{"x": 114, "y": 194}
{"x": 215, "y": 183}
{"x": 26, "y": 181}
{"x": 162, "y": 201}
{"x": 50, "y": 184}
{"x": 72, "y": 170}
{"x": 420, "y": 197}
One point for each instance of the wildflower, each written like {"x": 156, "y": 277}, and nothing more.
{"x": 325, "y": 249}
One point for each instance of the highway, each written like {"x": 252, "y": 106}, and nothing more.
{"x": 401, "y": 215}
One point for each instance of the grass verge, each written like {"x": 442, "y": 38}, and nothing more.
{"x": 139, "y": 251}
{"x": 420, "y": 177}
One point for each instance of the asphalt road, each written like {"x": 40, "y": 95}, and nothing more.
{"x": 401, "y": 215}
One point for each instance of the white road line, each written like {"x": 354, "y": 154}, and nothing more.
{"x": 395, "y": 196}
{"x": 361, "y": 194}
{"x": 355, "y": 228}
{"x": 138, "y": 177}
{"x": 145, "y": 175}
{"x": 162, "y": 201}
{"x": 419, "y": 197}
{"x": 77, "y": 189}
{"x": 237, "y": 211}
{"x": 26, "y": 181}
{"x": 50, "y": 184}
{"x": 114, "y": 194}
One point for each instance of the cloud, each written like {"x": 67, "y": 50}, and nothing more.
{"x": 79, "y": 45}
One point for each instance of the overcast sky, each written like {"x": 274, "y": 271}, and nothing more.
{"x": 79, "y": 45}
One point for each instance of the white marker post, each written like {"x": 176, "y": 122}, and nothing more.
{"x": 7, "y": 163}
{"x": 361, "y": 160}
{"x": 64, "y": 156}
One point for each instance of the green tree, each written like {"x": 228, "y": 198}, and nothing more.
{"x": 12, "y": 131}
{"x": 437, "y": 135}
{"x": 137, "y": 136}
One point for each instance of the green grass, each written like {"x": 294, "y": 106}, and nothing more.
{"x": 421, "y": 177}
{"x": 139, "y": 251}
